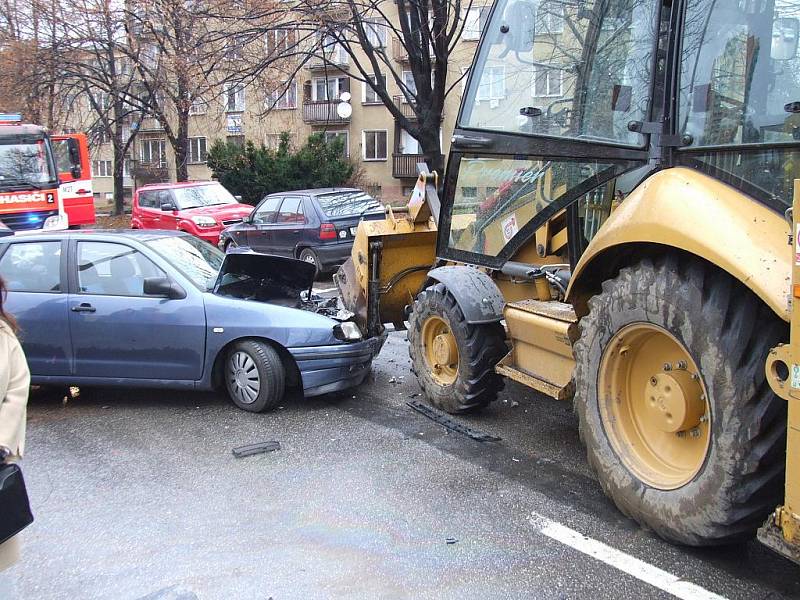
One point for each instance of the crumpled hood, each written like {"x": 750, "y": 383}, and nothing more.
{"x": 277, "y": 276}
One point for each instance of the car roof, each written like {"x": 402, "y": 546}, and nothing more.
{"x": 318, "y": 191}
{"x": 141, "y": 235}
{"x": 168, "y": 185}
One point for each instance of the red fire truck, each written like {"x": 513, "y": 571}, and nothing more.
{"x": 31, "y": 173}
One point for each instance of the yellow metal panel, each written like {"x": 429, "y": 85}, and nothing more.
{"x": 685, "y": 209}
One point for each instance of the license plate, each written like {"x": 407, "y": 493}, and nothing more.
{"x": 353, "y": 231}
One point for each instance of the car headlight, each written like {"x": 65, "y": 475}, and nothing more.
{"x": 347, "y": 331}
{"x": 202, "y": 221}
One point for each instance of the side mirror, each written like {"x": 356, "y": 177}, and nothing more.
{"x": 163, "y": 286}
{"x": 168, "y": 207}
{"x": 785, "y": 35}
{"x": 75, "y": 171}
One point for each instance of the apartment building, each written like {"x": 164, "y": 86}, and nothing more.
{"x": 385, "y": 156}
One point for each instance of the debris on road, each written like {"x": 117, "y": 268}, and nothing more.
{"x": 251, "y": 449}
{"x": 449, "y": 423}
{"x": 450, "y": 540}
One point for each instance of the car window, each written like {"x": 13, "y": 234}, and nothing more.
{"x": 32, "y": 267}
{"x": 112, "y": 269}
{"x": 196, "y": 259}
{"x": 291, "y": 211}
{"x": 148, "y": 199}
{"x": 268, "y": 210}
{"x": 340, "y": 204}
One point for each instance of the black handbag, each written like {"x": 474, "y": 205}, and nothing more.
{"x": 15, "y": 510}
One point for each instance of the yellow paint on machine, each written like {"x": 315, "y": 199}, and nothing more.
{"x": 685, "y": 209}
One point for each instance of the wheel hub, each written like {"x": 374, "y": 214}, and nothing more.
{"x": 675, "y": 401}
{"x": 444, "y": 349}
{"x": 441, "y": 350}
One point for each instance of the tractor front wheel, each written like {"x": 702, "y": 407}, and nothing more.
{"x": 453, "y": 360}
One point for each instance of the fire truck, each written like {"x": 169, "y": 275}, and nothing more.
{"x": 44, "y": 180}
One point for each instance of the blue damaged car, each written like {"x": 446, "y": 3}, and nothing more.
{"x": 162, "y": 309}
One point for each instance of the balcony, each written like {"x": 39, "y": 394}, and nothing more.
{"x": 399, "y": 52}
{"x": 150, "y": 124}
{"x": 322, "y": 112}
{"x": 336, "y": 59}
{"x": 405, "y": 165}
{"x": 406, "y": 107}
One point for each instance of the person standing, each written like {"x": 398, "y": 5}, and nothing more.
{"x": 14, "y": 384}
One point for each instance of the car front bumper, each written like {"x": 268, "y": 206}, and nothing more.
{"x": 325, "y": 369}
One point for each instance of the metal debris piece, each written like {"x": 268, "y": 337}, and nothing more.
{"x": 450, "y": 540}
{"x": 251, "y": 449}
{"x": 446, "y": 421}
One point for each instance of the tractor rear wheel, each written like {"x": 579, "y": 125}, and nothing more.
{"x": 453, "y": 360}
{"x": 679, "y": 422}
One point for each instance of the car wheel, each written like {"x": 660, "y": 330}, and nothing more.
{"x": 309, "y": 256}
{"x": 254, "y": 376}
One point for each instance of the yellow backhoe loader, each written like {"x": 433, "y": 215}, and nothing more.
{"x": 612, "y": 230}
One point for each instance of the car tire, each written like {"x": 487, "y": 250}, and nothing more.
{"x": 468, "y": 382}
{"x": 254, "y": 376}
{"x": 711, "y": 479}
{"x": 309, "y": 256}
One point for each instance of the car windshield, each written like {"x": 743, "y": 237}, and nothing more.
{"x": 25, "y": 162}
{"x": 339, "y": 204}
{"x": 196, "y": 259}
{"x": 202, "y": 195}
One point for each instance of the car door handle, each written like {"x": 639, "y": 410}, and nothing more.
{"x": 83, "y": 307}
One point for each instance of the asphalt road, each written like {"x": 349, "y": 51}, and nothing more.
{"x": 137, "y": 495}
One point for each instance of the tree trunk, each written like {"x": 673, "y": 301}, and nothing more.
{"x": 119, "y": 190}
{"x": 431, "y": 148}
{"x": 181, "y": 147}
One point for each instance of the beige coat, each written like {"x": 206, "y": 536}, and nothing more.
{"x": 15, "y": 379}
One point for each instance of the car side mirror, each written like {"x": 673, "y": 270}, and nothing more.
{"x": 164, "y": 287}
{"x": 168, "y": 207}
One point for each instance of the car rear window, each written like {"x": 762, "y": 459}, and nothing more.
{"x": 340, "y": 204}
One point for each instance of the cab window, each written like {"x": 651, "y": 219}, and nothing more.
{"x": 571, "y": 69}
{"x": 32, "y": 267}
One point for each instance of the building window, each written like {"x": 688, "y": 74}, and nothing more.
{"x": 198, "y": 107}
{"x": 287, "y": 98}
{"x": 332, "y": 51}
{"x": 234, "y": 49}
{"x": 374, "y": 144}
{"x": 197, "y": 150}
{"x": 153, "y": 151}
{"x": 279, "y": 41}
{"x": 493, "y": 83}
{"x": 376, "y": 32}
{"x": 102, "y": 168}
{"x": 469, "y": 192}
{"x": 234, "y": 97}
{"x": 474, "y": 22}
{"x": 149, "y": 56}
{"x": 409, "y": 83}
{"x": 551, "y": 17}
{"x": 102, "y": 100}
{"x": 236, "y": 140}
{"x": 100, "y": 135}
{"x": 547, "y": 82}
{"x": 273, "y": 140}
{"x": 344, "y": 136}
{"x": 370, "y": 96}
{"x": 408, "y": 143}
{"x": 329, "y": 88}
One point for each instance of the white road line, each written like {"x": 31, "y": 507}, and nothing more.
{"x": 624, "y": 562}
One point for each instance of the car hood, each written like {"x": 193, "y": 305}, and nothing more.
{"x": 220, "y": 211}
{"x": 263, "y": 277}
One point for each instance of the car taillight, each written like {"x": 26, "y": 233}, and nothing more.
{"x": 327, "y": 231}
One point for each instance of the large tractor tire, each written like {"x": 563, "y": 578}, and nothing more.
{"x": 679, "y": 422}
{"x": 453, "y": 360}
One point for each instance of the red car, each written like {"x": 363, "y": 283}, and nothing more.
{"x": 202, "y": 208}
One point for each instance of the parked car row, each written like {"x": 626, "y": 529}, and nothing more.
{"x": 315, "y": 226}
{"x": 164, "y": 309}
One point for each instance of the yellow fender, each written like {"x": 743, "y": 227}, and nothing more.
{"x": 685, "y": 209}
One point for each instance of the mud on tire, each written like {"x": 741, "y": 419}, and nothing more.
{"x": 480, "y": 347}
{"x": 728, "y": 333}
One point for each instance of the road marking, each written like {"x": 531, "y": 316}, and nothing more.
{"x": 639, "y": 569}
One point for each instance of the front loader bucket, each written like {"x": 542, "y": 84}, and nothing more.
{"x": 389, "y": 262}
